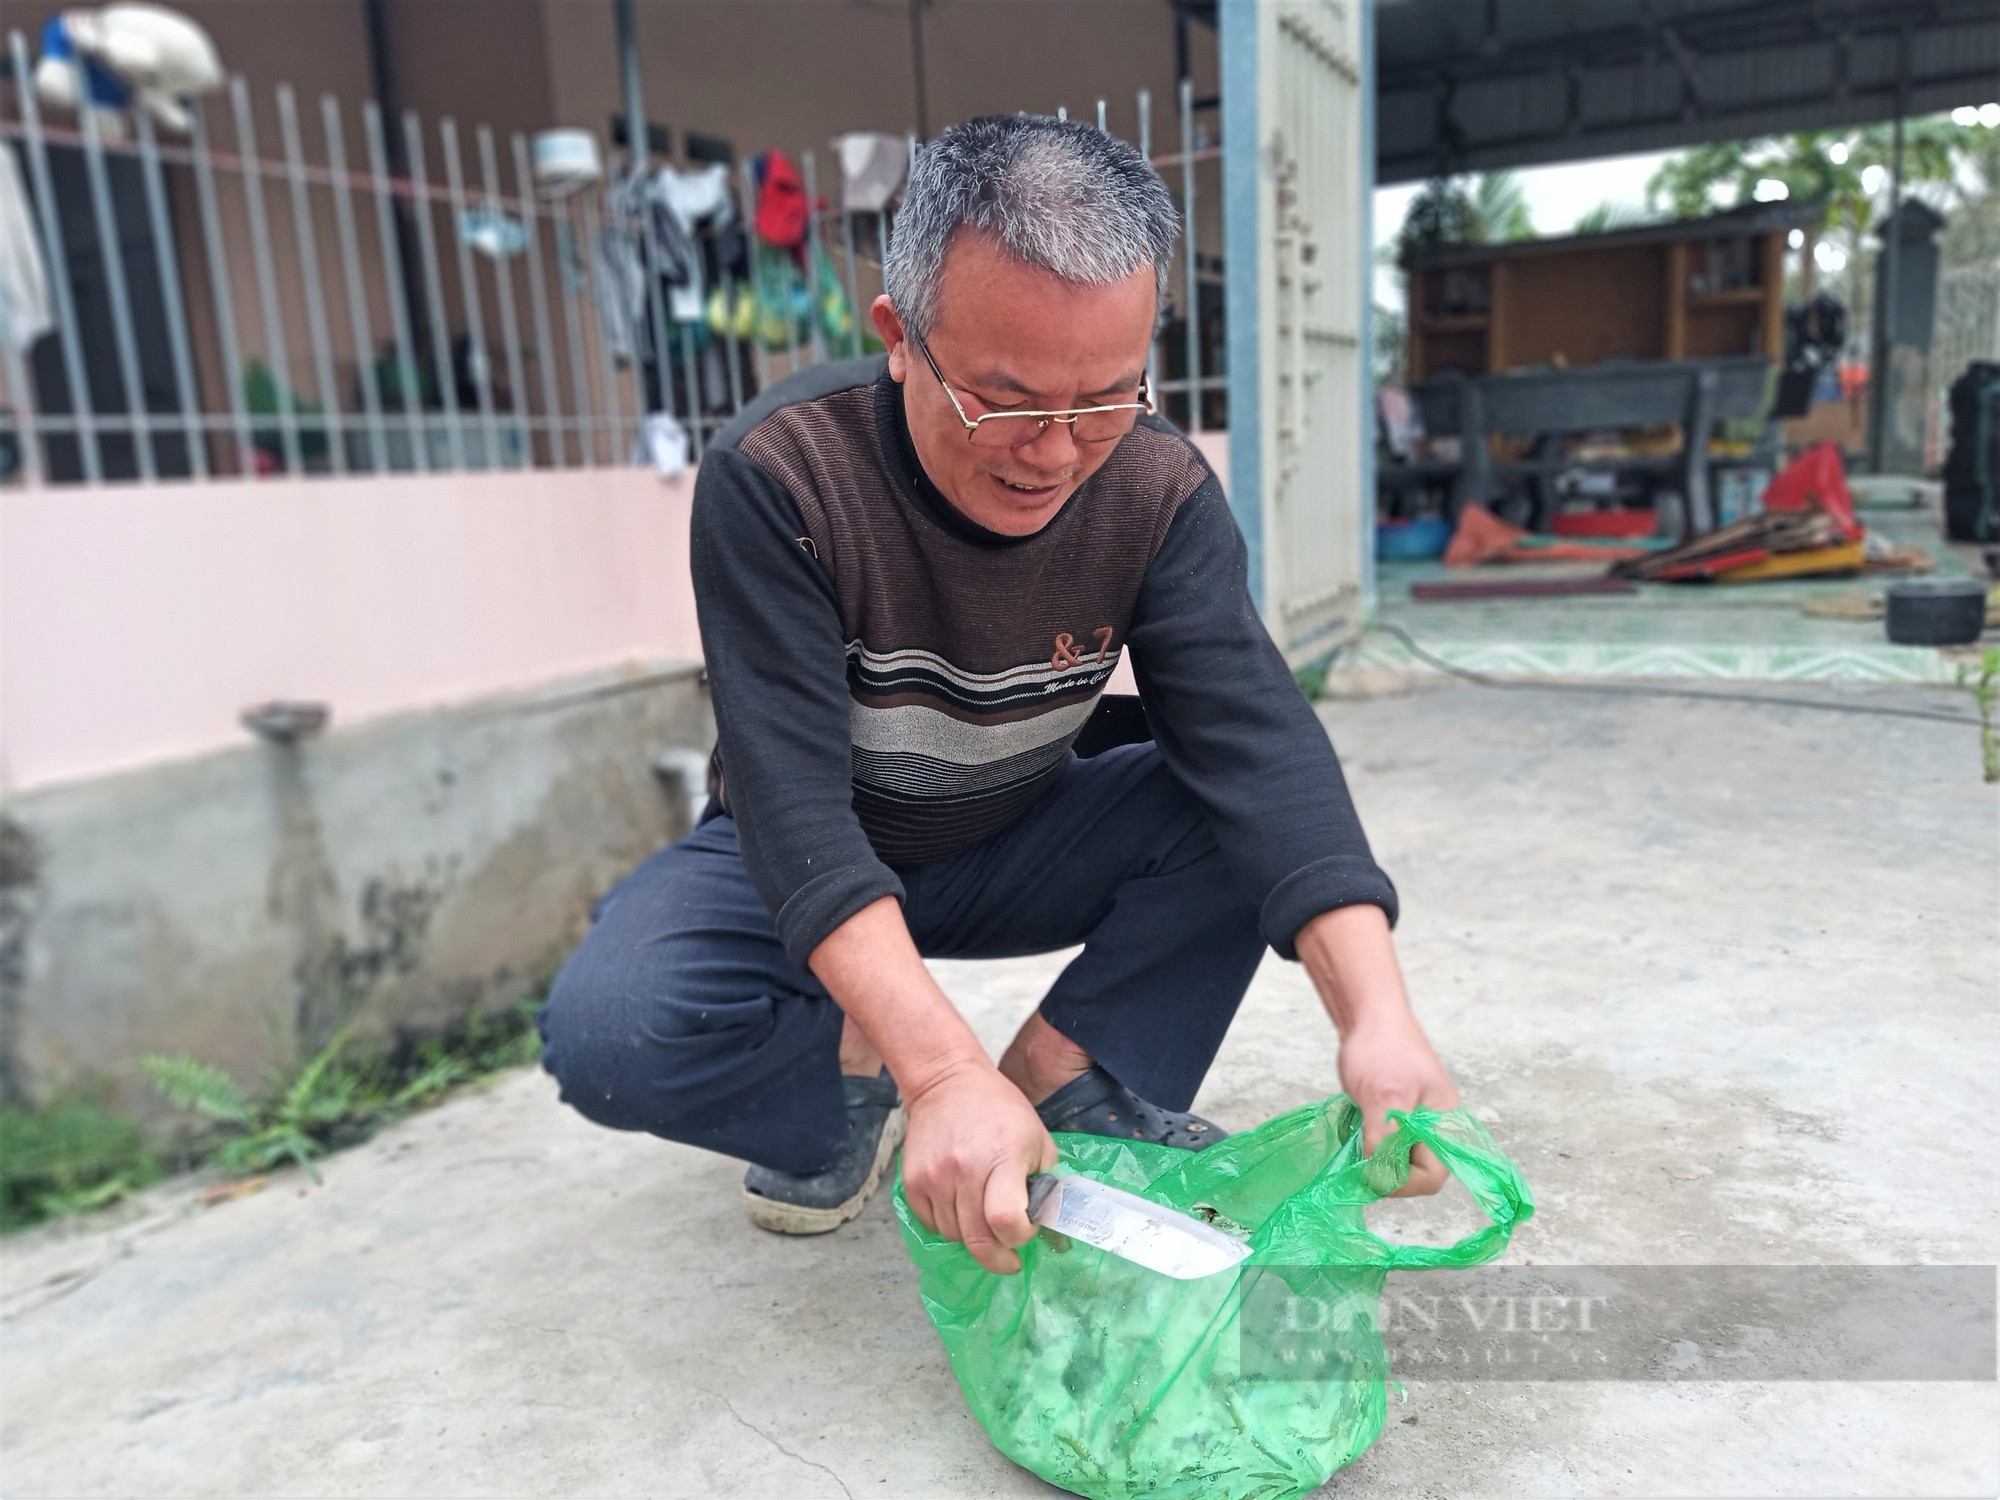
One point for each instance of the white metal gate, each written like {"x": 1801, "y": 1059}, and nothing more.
{"x": 1295, "y": 135}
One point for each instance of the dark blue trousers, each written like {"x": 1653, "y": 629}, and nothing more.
{"x": 681, "y": 1013}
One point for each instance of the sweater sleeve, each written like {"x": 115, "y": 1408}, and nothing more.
{"x": 777, "y": 670}
{"x": 1232, "y": 724}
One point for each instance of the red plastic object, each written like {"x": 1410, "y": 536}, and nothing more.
{"x": 782, "y": 211}
{"x": 1815, "y": 480}
{"x": 1518, "y": 588}
{"x": 1613, "y": 523}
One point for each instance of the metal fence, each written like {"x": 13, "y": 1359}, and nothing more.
{"x": 1967, "y": 329}
{"x": 377, "y": 296}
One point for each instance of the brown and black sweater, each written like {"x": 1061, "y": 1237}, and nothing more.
{"x": 894, "y": 683}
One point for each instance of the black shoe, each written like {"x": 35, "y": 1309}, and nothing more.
{"x": 790, "y": 1203}
{"x": 1098, "y": 1104}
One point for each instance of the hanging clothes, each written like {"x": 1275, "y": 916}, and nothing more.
{"x": 25, "y": 314}
{"x": 639, "y": 235}
{"x": 701, "y": 206}
{"x": 783, "y": 214}
{"x": 872, "y": 169}
{"x": 619, "y": 289}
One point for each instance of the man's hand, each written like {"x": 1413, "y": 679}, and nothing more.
{"x": 973, "y": 1140}
{"x": 1386, "y": 1061}
{"x": 973, "y": 1137}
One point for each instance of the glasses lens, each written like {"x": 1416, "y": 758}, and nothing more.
{"x": 1010, "y": 430}
{"x": 1103, "y": 425}
{"x": 1004, "y": 430}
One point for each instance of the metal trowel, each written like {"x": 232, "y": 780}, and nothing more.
{"x": 1126, "y": 1225}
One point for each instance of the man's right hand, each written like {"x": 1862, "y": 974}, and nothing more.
{"x": 972, "y": 1142}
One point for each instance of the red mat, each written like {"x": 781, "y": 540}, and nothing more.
{"x": 1519, "y": 588}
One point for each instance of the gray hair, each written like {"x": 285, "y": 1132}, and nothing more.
{"x": 1056, "y": 194}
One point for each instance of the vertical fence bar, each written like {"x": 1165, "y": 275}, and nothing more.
{"x": 791, "y": 335}
{"x": 1145, "y": 102}
{"x": 360, "y": 326}
{"x": 267, "y": 288}
{"x": 166, "y": 263}
{"x": 853, "y": 282}
{"x": 611, "y": 421}
{"x": 579, "y": 377}
{"x": 111, "y": 251}
{"x": 538, "y": 303}
{"x": 814, "y": 333}
{"x": 311, "y": 291}
{"x": 731, "y": 345}
{"x": 656, "y": 308}
{"x": 409, "y": 377}
{"x": 477, "y": 355}
{"x": 691, "y": 371}
{"x": 638, "y": 381}
{"x": 26, "y": 424}
{"x": 221, "y": 293}
{"x": 732, "y": 348}
{"x": 1193, "y": 260}
{"x": 503, "y": 276}
{"x": 791, "y": 326}
{"x": 441, "y": 362}
{"x": 750, "y": 238}
{"x": 21, "y": 397}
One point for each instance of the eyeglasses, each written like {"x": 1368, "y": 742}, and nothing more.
{"x": 1011, "y": 429}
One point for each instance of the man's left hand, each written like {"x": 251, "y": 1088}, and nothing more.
{"x": 1386, "y": 1063}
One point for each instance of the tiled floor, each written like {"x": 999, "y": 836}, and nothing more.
{"x": 1742, "y": 631}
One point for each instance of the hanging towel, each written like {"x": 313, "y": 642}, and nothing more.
{"x": 24, "y": 285}
{"x": 872, "y": 168}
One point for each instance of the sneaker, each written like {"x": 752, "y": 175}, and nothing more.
{"x": 813, "y": 1203}
{"x": 1098, "y": 1104}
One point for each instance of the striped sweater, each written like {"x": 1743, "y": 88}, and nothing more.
{"x": 894, "y": 684}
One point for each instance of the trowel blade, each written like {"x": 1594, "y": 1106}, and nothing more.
{"x": 1126, "y": 1225}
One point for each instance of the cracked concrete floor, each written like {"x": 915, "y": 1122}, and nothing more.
{"x": 1721, "y": 977}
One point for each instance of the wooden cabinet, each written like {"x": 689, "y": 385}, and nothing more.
{"x": 1691, "y": 289}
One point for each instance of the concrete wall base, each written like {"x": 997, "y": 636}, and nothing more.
{"x": 242, "y": 906}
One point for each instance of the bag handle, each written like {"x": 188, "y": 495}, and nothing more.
{"x": 1471, "y": 1155}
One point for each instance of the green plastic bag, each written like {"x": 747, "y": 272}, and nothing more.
{"x": 1116, "y": 1382}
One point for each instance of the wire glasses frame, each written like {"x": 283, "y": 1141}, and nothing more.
{"x": 1087, "y": 424}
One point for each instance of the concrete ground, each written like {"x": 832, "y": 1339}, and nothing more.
{"x": 1722, "y": 977}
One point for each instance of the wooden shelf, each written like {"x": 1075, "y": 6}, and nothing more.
{"x": 1626, "y": 296}
{"x": 1735, "y": 296}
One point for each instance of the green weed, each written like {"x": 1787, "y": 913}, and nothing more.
{"x": 66, "y": 1157}
{"x": 333, "y": 1101}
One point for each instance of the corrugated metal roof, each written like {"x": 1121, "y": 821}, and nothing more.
{"x": 1473, "y": 85}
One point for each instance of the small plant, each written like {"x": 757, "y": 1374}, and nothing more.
{"x": 295, "y": 1123}
{"x": 332, "y": 1102}
{"x": 66, "y": 1157}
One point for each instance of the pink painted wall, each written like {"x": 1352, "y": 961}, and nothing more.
{"x": 135, "y": 623}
